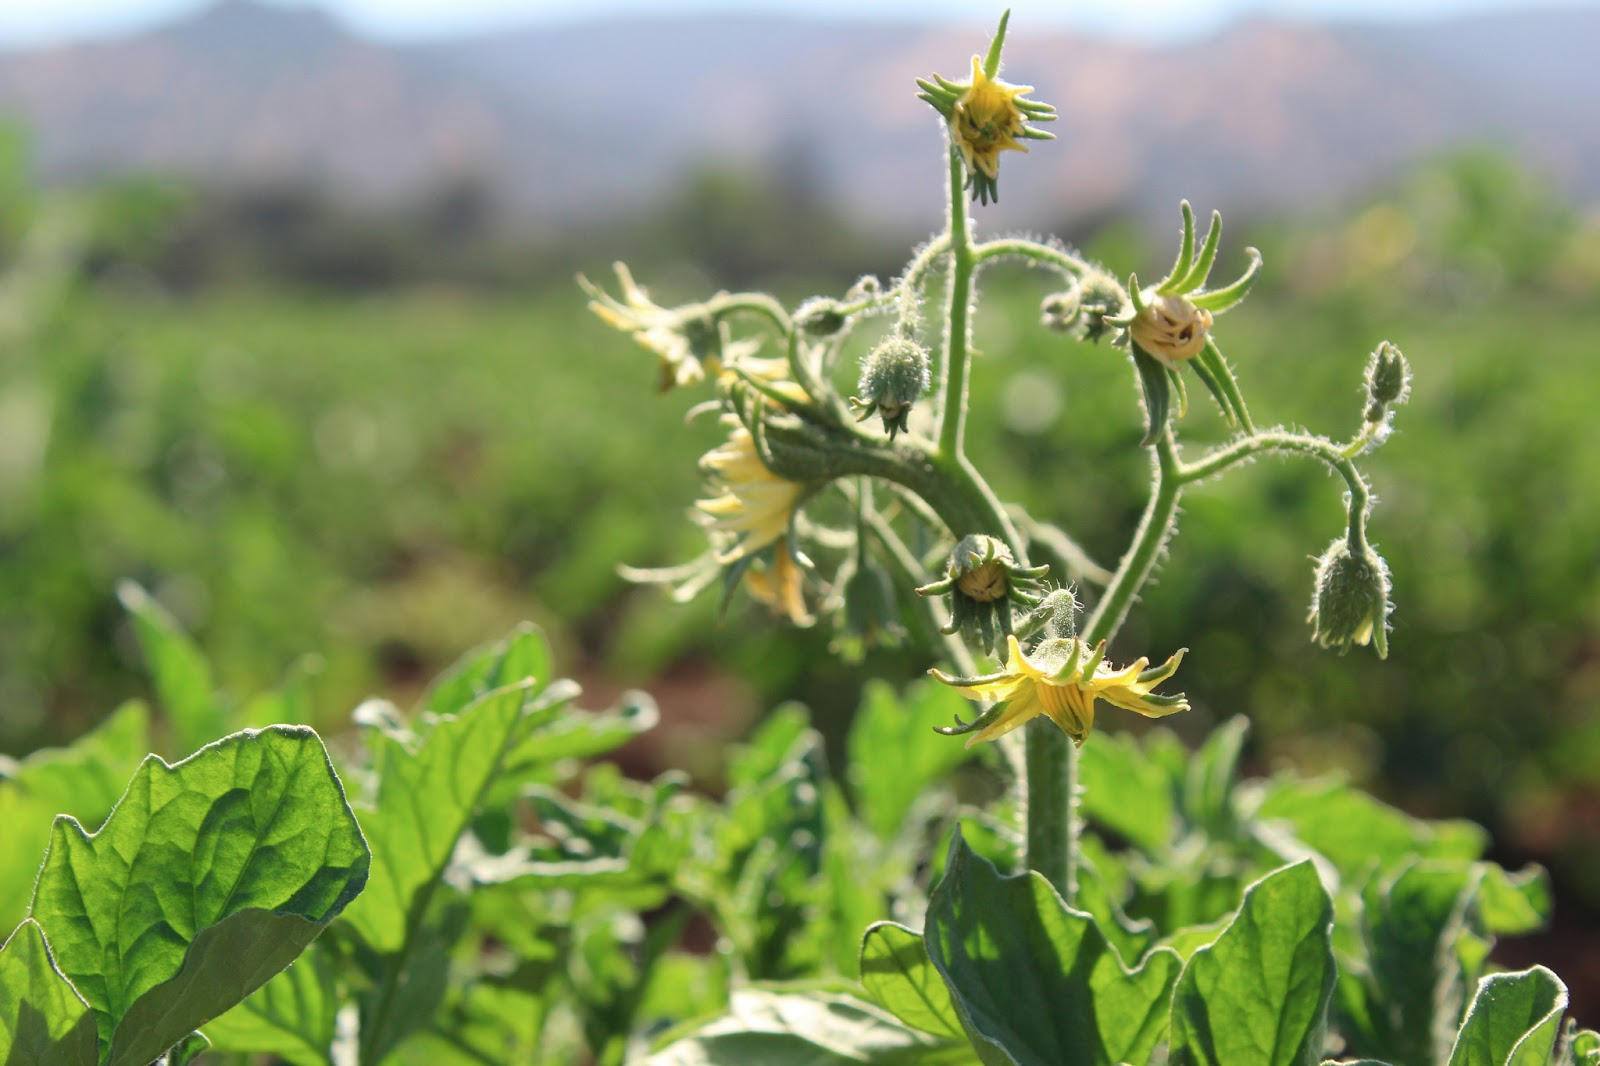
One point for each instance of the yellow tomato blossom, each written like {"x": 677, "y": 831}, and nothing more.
{"x": 1062, "y": 680}
{"x": 755, "y": 507}
{"x": 987, "y": 121}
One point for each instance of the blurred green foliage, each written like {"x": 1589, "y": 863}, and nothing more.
{"x": 302, "y": 453}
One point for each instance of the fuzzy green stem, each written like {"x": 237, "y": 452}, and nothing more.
{"x": 1160, "y": 513}
{"x": 957, "y": 350}
{"x": 1033, "y": 251}
{"x": 1360, "y": 498}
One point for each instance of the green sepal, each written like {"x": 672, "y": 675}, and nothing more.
{"x": 1219, "y": 300}
{"x": 1202, "y": 370}
{"x": 1200, "y": 269}
{"x": 1180, "y": 269}
{"x": 991, "y": 60}
{"x": 1157, "y": 393}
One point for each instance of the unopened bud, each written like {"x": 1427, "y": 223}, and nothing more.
{"x": 894, "y": 375}
{"x": 821, "y": 317}
{"x": 1351, "y": 603}
{"x": 1388, "y": 380}
{"x": 1060, "y": 310}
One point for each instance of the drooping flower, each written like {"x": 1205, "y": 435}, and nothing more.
{"x": 780, "y": 584}
{"x": 754, "y": 507}
{"x": 687, "y": 340}
{"x": 1062, "y": 680}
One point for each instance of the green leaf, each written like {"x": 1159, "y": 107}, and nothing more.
{"x": 1127, "y": 792}
{"x": 1157, "y": 394}
{"x": 894, "y": 754}
{"x": 1357, "y": 832}
{"x": 186, "y": 1050}
{"x": 900, "y": 978}
{"x": 1513, "y": 1021}
{"x": 1260, "y": 993}
{"x": 210, "y": 876}
{"x": 1426, "y": 946}
{"x": 43, "y": 1021}
{"x": 1580, "y": 1047}
{"x": 1213, "y": 771}
{"x": 805, "y": 1029}
{"x": 185, "y": 688}
{"x": 1035, "y": 983}
{"x": 292, "y": 1016}
{"x": 1131, "y": 939}
{"x": 83, "y": 780}
{"x": 426, "y": 800}
{"x": 1514, "y": 903}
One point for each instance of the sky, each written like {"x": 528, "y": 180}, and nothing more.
{"x": 29, "y": 23}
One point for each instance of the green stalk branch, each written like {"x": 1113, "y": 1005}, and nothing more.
{"x": 1295, "y": 444}
{"x": 1033, "y": 251}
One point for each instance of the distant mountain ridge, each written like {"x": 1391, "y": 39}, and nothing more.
{"x": 573, "y": 122}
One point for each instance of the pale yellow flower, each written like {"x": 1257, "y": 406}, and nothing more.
{"x": 755, "y": 507}
{"x": 781, "y": 585}
{"x": 1170, "y": 327}
{"x": 1062, "y": 680}
{"x": 987, "y": 121}
{"x": 687, "y": 340}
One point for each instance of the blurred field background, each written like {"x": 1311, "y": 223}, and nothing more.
{"x": 289, "y": 335}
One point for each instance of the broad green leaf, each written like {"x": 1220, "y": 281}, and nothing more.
{"x": 185, "y": 689}
{"x": 900, "y": 978}
{"x": 764, "y": 870}
{"x": 1354, "y": 1062}
{"x": 412, "y": 986}
{"x": 1514, "y": 903}
{"x": 83, "y": 780}
{"x": 1035, "y": 983}
{"x": 426, "y": 800}
{"x": 771, "y": 746}
{"x": 292, "y": 1016}
{"x": 210, "y": 876}
{"x": 1260, "y": 992}
{"x": 1131, "y": 938}
{"x": 1209, "y": 783}
{"x": 43, "y": 1021}
{"x": 1126, "y": 792}
{"x": 186, "y": 1050}
{"x": 484, "y": 1024}
{"x": 1426, "y": 945}
{"x": 894, "y": 754}
{"x": 1580, "y": 1047}
{"x": 806, "y": 1029}
{"x": 1356, "y": 832}
{"x": 1513, "y": 1021}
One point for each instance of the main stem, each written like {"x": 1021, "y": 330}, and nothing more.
{"x": 957, "y": 351}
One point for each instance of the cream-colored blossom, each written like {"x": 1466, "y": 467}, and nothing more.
{"x": 754, "y": 507}
{"x": 1062, "y": 680}
{"x": 687, "y": 340}
{"x": 1170, "y": 327}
